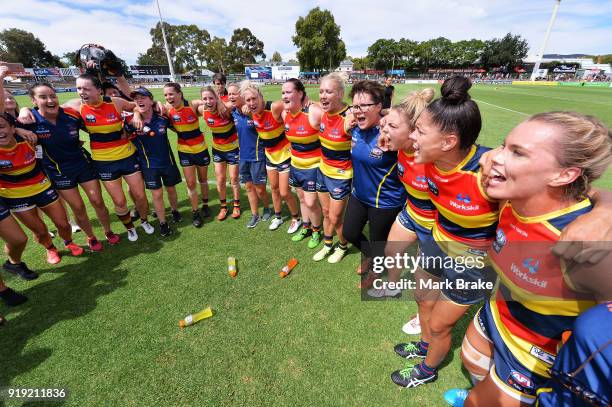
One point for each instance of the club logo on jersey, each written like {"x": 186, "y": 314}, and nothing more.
{"x": 500, "y": 240}
{"x": 531, "y": 265}
{"x": 520, "y": 382}
{"x": 376, "y": 153}
{"x": 191, "y": 118}
{"x": 268, "y": 124}
{"x": 400, "y": 170}
{"x": 250, "y": 122}
{"x": 176, "y": 118}
{"x": 29, "y": 156}
{"x": 210, "y": 121}
{"x": 111, "y": 116}
{"x": 90, "y": 118}
{"x": 433, "y": 187}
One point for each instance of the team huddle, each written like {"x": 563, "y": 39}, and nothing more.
{"x": 412, "y": 172}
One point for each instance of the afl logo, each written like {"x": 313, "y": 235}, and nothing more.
{"x": 520, "y": 382}
{"x": 400, "y": 170}
{"x": 90, "y": 118}
{"x": 176, "y": 118}
{"x": 286, "y": 127}
{"x": 433, "y": 187}
{"x": 500, "y": 240}
{"x": 322, "y": 128}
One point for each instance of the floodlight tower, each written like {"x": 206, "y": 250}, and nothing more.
{"x": 536, "y": 68}
{"x": 161, "y": 22}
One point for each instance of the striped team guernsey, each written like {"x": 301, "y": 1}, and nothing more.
{"x": 304, "y": 139}
{"x": 20, "y": 173}
{"x": 535, "y": 301}
{"x": 272, "y": 135}
{"x": 412, "y": 175}
{"x": 105, "y": 127}
{"x": 335, "y": 146}
{"x": 223, "y": 129}
{"x": 186, "y": 124}
{"x": 464, "y": 214}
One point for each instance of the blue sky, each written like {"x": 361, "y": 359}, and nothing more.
{"x": 122, "y": 25}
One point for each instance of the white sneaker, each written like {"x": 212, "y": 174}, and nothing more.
{"x": 323, "y": 253}
{"x": 75, "y": 228}
{"x": 132, "y": 235}
{"x": 146, "y": 226}
{"x": 276, "y": 222}
{"x": 294, "y": 226}
{"x": 384, "y": 292}
{"x": 337, "y": 255}
{"x": 412, "y": 327}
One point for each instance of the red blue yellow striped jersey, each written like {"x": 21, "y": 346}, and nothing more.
{"x": 186, "y": 124}
{"x": 105, "y": 127}
{"x": 464, "y": 213}
{"x": 272, "y": 135}
{"x": 412, "y": 175}
{"x": 225, "y": 136}
{"x": 335, "y": 146}
{"x": 20, "y": 173}
{"x": 304, "y": 139}
{"x": 535, "y": 301}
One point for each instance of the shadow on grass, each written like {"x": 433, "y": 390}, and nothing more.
{"x": 70, "y": 296}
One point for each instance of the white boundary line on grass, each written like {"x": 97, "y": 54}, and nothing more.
{"x": 556, "y": 97}
{"x": 500, "y": 107}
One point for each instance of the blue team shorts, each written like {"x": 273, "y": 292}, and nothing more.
{"x": 41, "y": 199}
{"x": 154, "y": 178}
{"x": 231, "y": 157}
{"x": 338, "y": 189}
{"x": 406, "y": 221}
{"x": 112, "y": 170}
{"x": 201, "y": 159}
{"x": 70, "y": 175}
{"x": 510, "y": 375}
{"x": 280, "y": 167}
{"x": 253, "y": 171}
{"x": 5, "y": 212}
{"x": 304, "y": 179}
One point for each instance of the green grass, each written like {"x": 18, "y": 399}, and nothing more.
{"x": 106, "y": 325}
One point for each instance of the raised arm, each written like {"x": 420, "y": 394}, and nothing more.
{"x": 123, "y": 85}
{"x": 123, "y": 105}
{"x": 4, "y": 70}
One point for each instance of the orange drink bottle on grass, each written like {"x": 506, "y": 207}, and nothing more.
{"x": 288, "y": 267}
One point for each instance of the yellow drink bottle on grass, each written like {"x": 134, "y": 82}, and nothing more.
{"x": 231, "y": 266}
{"x": 193, "y": 318}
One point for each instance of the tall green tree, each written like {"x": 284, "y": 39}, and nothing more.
{"x": 244, "y": 48}
{"x": 276, "y": 57}
{"x": 506, "y": 52}
{"x": 218, "y": 57}
{"x": 186, "y": 43}
{"x": 359, "y": 64}
{"x": 318, "y": 38}
{"x": 23, "y": 47}
{"x": 383, "y": 53}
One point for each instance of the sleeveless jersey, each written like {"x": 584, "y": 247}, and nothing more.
{"x": 272, "y": 135}
{"x": 186, "y": 124}
{"x": 335, "y": 146}
{"x": 534, "y": 302}
{"x": 464, "y": 214}
{"x": 418, "y": 205}
{"x": 20, "y": 172}
{"x": 105, "y": 127}
{"x": 304, "y": 139}
{"x": 225, "y": 136}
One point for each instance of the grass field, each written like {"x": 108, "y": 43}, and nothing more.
{"x": 105, "y": 325}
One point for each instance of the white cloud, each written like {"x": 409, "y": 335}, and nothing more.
{"x": 123, "y": 25}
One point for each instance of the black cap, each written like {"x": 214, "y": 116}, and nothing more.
{"x": 141, "y": 91}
